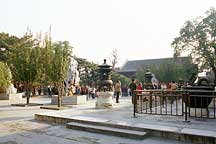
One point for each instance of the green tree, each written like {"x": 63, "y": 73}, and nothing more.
{"x": 198, "y": 37}
{"x": 169, "y": 71}
{"x": 24, "y": 62}
{"x": 46, "y": 61}
{"x": 7, "y": 45}
{"x": 88, "y": 71}
{"x": 5, "y": 77}
{"x": 60, "y": 58}
{"x": 140, "y": 75}
{"x": 123, "y": 79}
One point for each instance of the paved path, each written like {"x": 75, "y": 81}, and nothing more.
{"x": 17, "y": 125}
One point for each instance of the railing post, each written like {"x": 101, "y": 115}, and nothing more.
{"x": 134, "y": 99}
{"x": 186, "y": 97}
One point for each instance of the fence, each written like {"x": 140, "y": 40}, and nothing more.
{"x": 187, "y": 103}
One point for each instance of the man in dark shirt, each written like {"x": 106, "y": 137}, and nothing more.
{"x": 132, "y": 87}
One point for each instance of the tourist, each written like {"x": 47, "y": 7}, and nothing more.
{"x": 125, "y": 90}
{"x": 39, "y": 90}
{"x": 132, "y": 87}
{"x": 117, "y": 90}
{"x": 163, "y": 86}
{"x": 169, "y": 87}
{"x": 139, "y": 87}
{"x": 174, "y": 86}
{"x": 49, "y": 91}
{"x": 70, "y": 90}
{"x": 93, "y": 92}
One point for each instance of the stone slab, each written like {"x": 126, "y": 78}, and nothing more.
{"x": 70, "y": 100}
{"x": 25, "y": 105}
{"x": 108, "y": 130}
{"x": 162, "y": 131}
{"x": 158, "y": 127}
{"x": 198, "y": 132}
{"x": 17, "y": 96}
{"x": 54, "y": 107}
{"x": 90, "y": 119}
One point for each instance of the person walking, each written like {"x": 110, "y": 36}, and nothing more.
{"x": 118, "y": 90}
{"x": 132, "y": 87}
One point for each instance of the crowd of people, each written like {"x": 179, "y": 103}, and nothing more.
{"x": 128, "y": 90}
{"x": 92, "y": 91}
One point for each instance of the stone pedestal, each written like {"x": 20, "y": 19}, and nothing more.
{"x": 70, "y": 100}
{"x": 198, "y": 112}
{"x": 16, "y": 96}
{"x": 104, "y": 100}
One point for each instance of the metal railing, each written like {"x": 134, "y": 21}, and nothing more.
{"x": 176, "y": 103}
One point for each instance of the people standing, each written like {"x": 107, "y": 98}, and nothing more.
{"x": 163, "y": 86}
{"x": 139, "y": 87}
{"x": 49, "y": 91}
{"x": 93, "y": 90}
{"x": 132, "y": 87}
{"x": 174, "y": 86}
{"x": 117, "y": 90}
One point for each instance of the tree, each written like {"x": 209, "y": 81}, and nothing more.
{"x": 5, "y": 77}
{"x": 123, "y": 79}
{"x": 46, "y": 62}
{"x": 87, "y": 70}
{"x": 57, "y": 73}
{"x": 24, "y": 62}
{"x": 114, "y": 58}
{"x": 198, "y": 37}
{"x": 169, "y": 71}
{"x": 7, "y": 45}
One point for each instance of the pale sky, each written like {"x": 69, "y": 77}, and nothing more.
{"x": 138, "y": 29}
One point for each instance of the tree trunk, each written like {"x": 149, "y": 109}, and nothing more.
{"x": 60, "y": 94}
{"x": 28, "y": 93}
{"x": 59, "y": 98}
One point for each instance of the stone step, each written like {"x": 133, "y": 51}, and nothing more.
{"x": 185, "y": 134}
{"x": 107, "y": 130}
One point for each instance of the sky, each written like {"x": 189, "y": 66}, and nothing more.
{"x": 137, "y": 29}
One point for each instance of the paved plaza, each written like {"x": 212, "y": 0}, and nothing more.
{"x": 18, "y": 125}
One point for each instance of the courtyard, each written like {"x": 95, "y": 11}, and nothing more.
{"x": 18, "y": 124}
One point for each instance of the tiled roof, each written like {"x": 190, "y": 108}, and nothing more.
{"x": 134, "y": 65}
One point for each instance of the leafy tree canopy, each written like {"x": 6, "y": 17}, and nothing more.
{"x": 7, "y": 45}
{"x": 169, "y": 71}
{"x": 198, "y": 37}
{"x": 123, "y": 79}
{"x": 87, "y": 70}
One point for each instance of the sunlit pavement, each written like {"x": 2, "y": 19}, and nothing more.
{"x": 17, "y": 126}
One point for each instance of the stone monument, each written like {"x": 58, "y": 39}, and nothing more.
{"x": 73, "y": 78}
{"x": 11, "y": 92}
{"x": 105, "y": 94}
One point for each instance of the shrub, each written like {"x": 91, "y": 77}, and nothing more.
{"x": 5, "y": 77}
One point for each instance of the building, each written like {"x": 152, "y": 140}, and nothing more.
{"x": 130, "y": 68}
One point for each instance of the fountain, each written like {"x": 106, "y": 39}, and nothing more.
{"x": 105, "y": 94}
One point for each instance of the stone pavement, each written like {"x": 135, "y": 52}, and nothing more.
{"x": 17, "y": 124}
{"x": 123, "y": 111}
